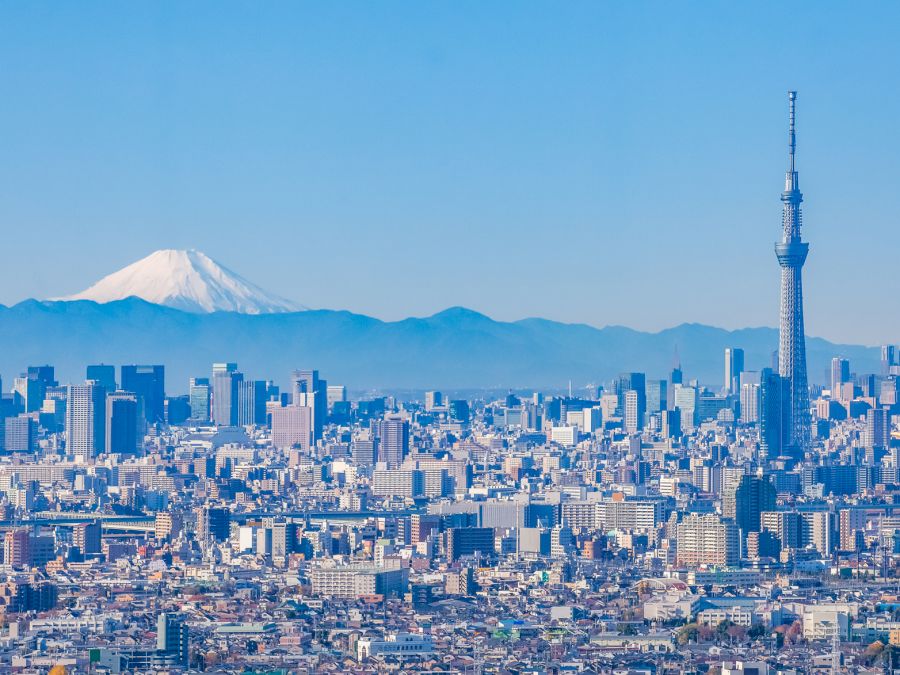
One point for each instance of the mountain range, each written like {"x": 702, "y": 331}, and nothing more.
{"x": 194, "y": 312}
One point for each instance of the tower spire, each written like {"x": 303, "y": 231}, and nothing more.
{"x": 791, "y": 252}
{"x": 792, "y": 97}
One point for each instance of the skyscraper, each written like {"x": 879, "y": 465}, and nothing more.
{"x": 251, "y": 402}
{"x": 774, "y": 413}
{"x": 226, "y": 381}
{"x": 734, "y": 366}
{"x": 791, "y": 253}
{"x": 121, "y": 423}
{"x": 200, "y": 397}
{"x": 103, "y": 374}
{"x": 85, "y": 420}
{"x": 149, "y": 384}
{"x": 393, "y": 440}
{"x": 309, "y": 390}
{"x": 745, "y": 501}
{"x": 840, "y": 373}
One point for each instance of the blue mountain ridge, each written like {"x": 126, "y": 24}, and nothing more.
{"x": 453, "y": 349}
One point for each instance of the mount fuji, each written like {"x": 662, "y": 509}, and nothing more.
{"x": 184, "y": 310}
{"x": 186, "y": 280}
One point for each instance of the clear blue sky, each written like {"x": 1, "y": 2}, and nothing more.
{"x": 598, "y": 162}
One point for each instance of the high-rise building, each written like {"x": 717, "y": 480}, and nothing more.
{"x": 686, "y": 400}
{"x": 17, "y": 547}
{"x": 633, "y": 419}
{"x": 706, "y": 539}
{"x": 88, "y": 537}
{"x": 121, "y": 426}
{"x": 433, "y": 399}
{"x": 32, "y": 386}
{"x": 671, "y": 423}
{"x": 878, "y": 429}
{"x": 393, "y": 440}
{"x": 888, "y": 358}
{"x": 18, "y": 434}
{"x": 791, "y": 252}
{"x": 336, "y": 393}
{"x": 309, "y": 390}
{"x": 292, "y": 426}
{"x": 774, "y": 413}
{"x": 467, "y": 541}
{"x": 840, "y": 373}
{"x": 104, "y": 375}
{"x": 200, "y": 395}
{"x": 213, "y": 522}
{"x": 744, "y": 502}
{"x": 252, "y": 402}
{"x": 225, "y": 385}
{"x": 657, "y": 396}
{"x": 85, "y": 420}
{"x": 734, "y": 366}
{"x": 173, "y": 639}
{"x": 365, "y": 451}
{"x": 749, "y": 402}
{"x": 636, "y": 382}
{"x": 787, "y": 526}
{"x": 148, "y": 383}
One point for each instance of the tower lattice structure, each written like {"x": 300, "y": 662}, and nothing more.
{"x": 791, "y": 252}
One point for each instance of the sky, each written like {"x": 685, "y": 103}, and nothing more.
{"x": 597, "y": 162}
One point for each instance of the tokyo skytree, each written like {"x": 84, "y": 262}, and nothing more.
{"x": 791, "y": 253}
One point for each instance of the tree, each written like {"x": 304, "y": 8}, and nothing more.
{"x": 737, "y": 633}
{"x": 756, "y": 631}
{"x": 688, "y": 633}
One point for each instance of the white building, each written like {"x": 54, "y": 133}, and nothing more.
{"x": 399, "y": 644}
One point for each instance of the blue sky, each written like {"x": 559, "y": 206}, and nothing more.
{"x": 598, "y": 162}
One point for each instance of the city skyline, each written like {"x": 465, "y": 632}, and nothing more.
{"x": 466, "y": 150}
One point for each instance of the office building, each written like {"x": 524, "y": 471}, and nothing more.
{"x": 226, "y": 382}
{"x": 657, "y": 396}
{"x": 687, "y": 401}
{"x": 734, "y": 366}
{"x": 251, "y": 402}
{"x": 121, "y": 426}
{"x": 102, "y": 374}
{"x": 774, "y": 413}
{"x": 878, "y": 429}
{"x": 311, "y": 391}
{"x": 840, "y": 373}
{"x": 393, "y": 440}
{"x": 336, "y": 393}
{"x": 433, "y": 399}
{"x": 200, "y": 396}
{"x": 469, "y": 541}
{"x": 292, "y": 426}
{"x": 633, "y": 416}
{"x": 632, "y": 382}
{"x": 18, "y": 434}
{"x": 148, "y": 383}
{"x": 85, "y": 421}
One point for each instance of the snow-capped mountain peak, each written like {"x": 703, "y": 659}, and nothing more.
{"x": 186, "y": 280}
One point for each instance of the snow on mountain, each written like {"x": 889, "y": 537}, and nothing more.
{"x": 186, "y": 280}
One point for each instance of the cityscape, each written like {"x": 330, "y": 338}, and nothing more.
{"x": 653, "y": 525}
{"x": 654, "y": 431}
